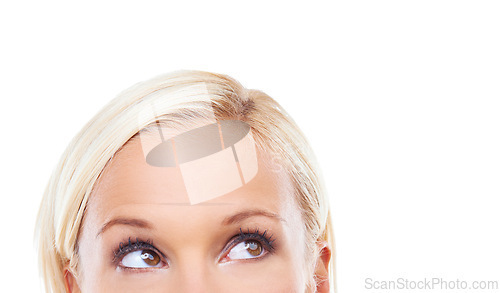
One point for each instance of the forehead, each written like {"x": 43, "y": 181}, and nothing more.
{"x": 130, "y": 183}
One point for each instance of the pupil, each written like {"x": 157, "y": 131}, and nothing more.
{"x": 254, "y": 248}
{"x": 150, "y": 257}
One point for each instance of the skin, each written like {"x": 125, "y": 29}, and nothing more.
{"x": 135, "y": 200}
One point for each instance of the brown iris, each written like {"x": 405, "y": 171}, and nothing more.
{"x": 150, "y": 257}
{"x": 254, "y": 248}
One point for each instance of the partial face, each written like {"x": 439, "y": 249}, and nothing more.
{"x": 141, "y": 233}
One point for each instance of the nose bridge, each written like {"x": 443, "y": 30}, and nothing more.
{"x": 194, "y": 273}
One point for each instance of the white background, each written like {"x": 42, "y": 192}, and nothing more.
{"x": 400, "y": 100}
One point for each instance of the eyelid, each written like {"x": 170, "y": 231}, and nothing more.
{"x": 129, "y": 246}
{"x": 264, "y": 238}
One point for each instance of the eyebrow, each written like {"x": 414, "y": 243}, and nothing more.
{"x": 233, "y": 219}
{"x": 125, "y": 221}
{"x": 238, "y": 217}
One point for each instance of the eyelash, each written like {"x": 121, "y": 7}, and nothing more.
{"x": 265, "y": 239}
{"x": 129, "y": 246}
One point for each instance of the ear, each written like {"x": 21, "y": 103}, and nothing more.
{"x": 322, "y": 272}
{"x": 70, "y": 283}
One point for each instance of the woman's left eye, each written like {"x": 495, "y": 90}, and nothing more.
{"x": 246, "y": 249}
{"x": 249, "y": 245}
{"x": 140, "y": 259}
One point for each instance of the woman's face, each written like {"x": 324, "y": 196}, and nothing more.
{"x": 140, "y": 234}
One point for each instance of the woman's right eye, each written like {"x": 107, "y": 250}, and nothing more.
{"x": 142, "y": 259}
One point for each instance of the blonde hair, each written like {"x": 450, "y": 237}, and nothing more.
{"x": 66, "y": 196}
